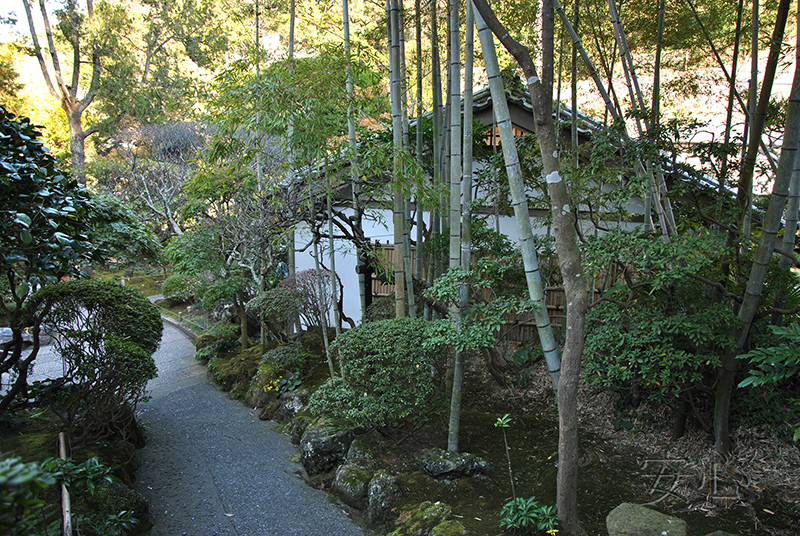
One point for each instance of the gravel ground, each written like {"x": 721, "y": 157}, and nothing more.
{"x": 211, "y": 467}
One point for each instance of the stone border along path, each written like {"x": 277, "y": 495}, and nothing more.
{"x": 212, "y": 468}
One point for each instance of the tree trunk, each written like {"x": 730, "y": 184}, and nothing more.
{"x": 752, "y": 108}
{"x": 67, "y": 93}
{"x": 519, "y": 203}
{"x": 455, "y": 138}
{"x": 575, "y": 287}
{"x": 789, "y": 238}
{"x": 323, "y": 311}
{"x": 77, "y": 143}
{"x": 244, "y": 336}
{"x": 466, "y": 230}
{"x": 397, "y": 144}
{"x": 352, "y": 146}
{"x": 438, "y": 137}
{"x": 744, "y": 194}
{"x": 758, "y": 272}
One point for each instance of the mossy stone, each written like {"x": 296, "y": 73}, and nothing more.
{"x": 351, "y": 485}
{"x": 422, "y": 520}
{"x": 449, "y": 528}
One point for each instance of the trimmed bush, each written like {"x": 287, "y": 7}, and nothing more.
{"x": 286, "y": 358}
{"x": 220, "y": 336}
{"x": 391, "y": 372}
{"x": 106, "y": 336}
{"x": 180, "y": 288}
{"x": 275, "y": 308}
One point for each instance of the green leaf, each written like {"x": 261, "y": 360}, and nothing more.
{"x": 25, "y": 236}
{"x": 23, "y": 219}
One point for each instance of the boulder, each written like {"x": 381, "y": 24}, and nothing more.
{"x": 7, "y": 335}
{"x": 296, "y": 427}
{"x": 323, "y": 446}
{"x": 382, "y": 492}
{"x": 351, "y": 485}
{"x": 291, "y": 403}
{"x": 258, "y": 396}
{"x": 360, "y": 453}
{"x": 444, "y": 465}
{"x": 428, "y": 519}
{"x": 630, "y": 519}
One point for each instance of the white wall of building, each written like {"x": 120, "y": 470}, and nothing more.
{"x": 377, "y": 226}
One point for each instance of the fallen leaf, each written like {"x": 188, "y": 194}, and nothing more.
{"x": 769, "y": 512}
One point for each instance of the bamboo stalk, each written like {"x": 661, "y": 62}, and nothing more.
{"x": 66, "y": 507}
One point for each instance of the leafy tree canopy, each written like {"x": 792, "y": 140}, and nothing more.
{"x": 43, "y": 212}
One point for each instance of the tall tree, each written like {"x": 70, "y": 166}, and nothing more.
{"x": 72, "y": 93}
{"x": 150, "y": 168}
{"x": 466, "y": 230}
{"x": 576, "y": 289}
{"x": 763, "y": 254}
{"x": 745, "y": 188}
{"x": 398, "y": 148}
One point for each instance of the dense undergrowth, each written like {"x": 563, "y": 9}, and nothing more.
{"x": 620, "y": 443}
{"x": 105, "y": 334}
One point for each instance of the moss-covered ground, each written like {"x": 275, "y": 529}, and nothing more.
{"x": 611, "y": 472}
{"x": 618, "y": 462}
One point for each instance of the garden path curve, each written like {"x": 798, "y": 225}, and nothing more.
{"x": 211, "y": 467}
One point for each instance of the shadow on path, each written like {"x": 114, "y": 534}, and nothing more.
{"x": 211, "y": 467}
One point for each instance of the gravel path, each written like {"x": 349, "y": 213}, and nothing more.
{"x": 211, "y": 467}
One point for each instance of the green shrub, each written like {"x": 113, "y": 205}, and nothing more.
{"x": 290, "y": 357}
{"x": 114, "y": 509}
{"x": 528, "y": 516}
{"x": 106, "y": 337}
{"x": 181, "y": 288}
{"x": 777, "y": 365}
{"x": 220, "y": 336}
{"x": 275, "y": 308}
{"x": 660, "y": 351}
{"x": 20, "y": 486}
{"x": 381, "y": 309}
{"x": 205, "y": 354}
{"x": 658, "y": 334}
{"x": 391, "y": 372}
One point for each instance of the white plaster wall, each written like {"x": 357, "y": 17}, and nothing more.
{"x": 346, "y": 260}
{"x": 377, "y": 226}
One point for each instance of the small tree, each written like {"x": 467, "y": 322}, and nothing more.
{"x": 107, "y": 334}
{"x": 313, "y": 305}
{"x": 275, "y": 308}
{"x": 42, "y": 238}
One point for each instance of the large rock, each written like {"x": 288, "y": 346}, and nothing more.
{"x": 635, "y": 520}
{"x": 323, "y": 446}
{"x": 444, "y": 465}
{"x": 360, "y": 453}
{"x": 291, "y": 403}
{"x": 259, "y": 397}
{"x": 7, "y": 335}
{"x": 428, "y": 519}
{"x": 351, "y": 485}
{"x": 382, "y": 492}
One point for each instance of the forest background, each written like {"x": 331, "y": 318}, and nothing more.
{"x": 219, "y": 127}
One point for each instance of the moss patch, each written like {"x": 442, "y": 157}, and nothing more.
{"x": 428, "y": 519}
{"x": 234, "y": 371}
